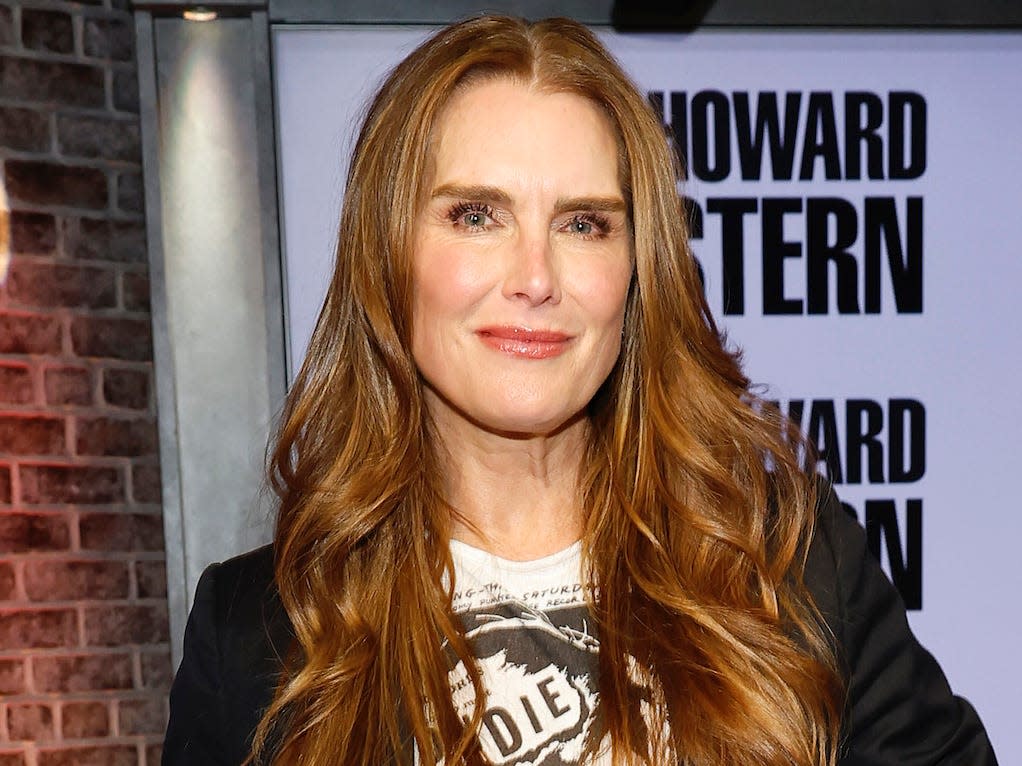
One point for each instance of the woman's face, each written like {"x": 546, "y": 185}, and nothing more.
{"x": 522, "y": 259}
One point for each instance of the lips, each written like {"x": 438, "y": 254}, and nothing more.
{"x": 525, "y": 342}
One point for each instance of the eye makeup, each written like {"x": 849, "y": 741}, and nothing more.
{"x": 589, "y": 225}
{"x": 472, "y": 215}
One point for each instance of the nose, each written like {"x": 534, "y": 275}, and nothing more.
{"x": 532, "y": 275}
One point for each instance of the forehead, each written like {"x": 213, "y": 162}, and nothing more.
{"x": 503, "y": 131}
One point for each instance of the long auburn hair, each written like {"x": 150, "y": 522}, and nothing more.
{"x": 697, "y": 512}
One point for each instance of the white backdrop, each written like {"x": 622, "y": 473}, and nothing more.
{"x": 911, "y": 389}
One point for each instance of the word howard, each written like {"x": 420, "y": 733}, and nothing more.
{"x": 798, "y": 139}
{"x": 863, "y": 440}
{"x": 866, "y": 441}
{"x": 846, "y": 249}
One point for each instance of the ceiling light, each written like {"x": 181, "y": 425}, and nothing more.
{"x": 199, "y": 13}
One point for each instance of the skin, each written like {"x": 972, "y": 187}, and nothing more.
{"x": 524, "y": 230}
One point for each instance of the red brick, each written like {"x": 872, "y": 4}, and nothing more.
{"x": 116, "y": 437}
{"x": 95, "y": 239}
{"x": 97, "y": 755}
{"x": 130, "y": 192}
{"x": 151, "y": 577}
{"x": 15, "y": 384}
{"x": 51, "y": 82}
{"x": 142, "y": 716}
{"x": 67, "y": 385}
{"x": 85, "y": 673}
{"x": 33, "y": 233}
{"x": 52, "y": 285}
{"x": 5, "y": 487}
{"x": 121, "y": 532}
{"x": 71, "y": 484}
{"x": 109, "y": 38}
{"x": 68, "y": 580}
{"x": 12, "y": 676}
{"x": 32, "y": 435}
{"x": 127, "y": 339}
{"x": 84, "y": 719}
{"x": 97, "y": 137}
{"x": 136, "y": 291}
{"x": 46, "y": 31}
{"x": 145, "y": 484}
{"x": 8, "y": 34}
{"x": 26, "y": 130}
{"x": 29, "y": 334}
{"x": 38, "y": 628}
{"x": 32, "y": 722}
{"x": 125, "y": 388}
{"x": 11, "y": 758}
{"x": 121, "y": 625}
{"x": 156, "y": 670}
{"x": 47, "y": 183}
{"x": 25, "y": 532}
{"x": 7, "y": 581}
{"x": 153, "y": 755}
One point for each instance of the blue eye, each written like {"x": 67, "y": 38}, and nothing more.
{"x": 588, "y": 226}
{"x": 471, "y": 215}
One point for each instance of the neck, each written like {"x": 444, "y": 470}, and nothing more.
{"x": 514, "y": 495}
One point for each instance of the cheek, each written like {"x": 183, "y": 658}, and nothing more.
{"x": 606, "y": 293}
{"x": 446, "y": 287}
{"x": 447, "y": 283}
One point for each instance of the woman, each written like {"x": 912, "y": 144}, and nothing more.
{"x": 519, "y": 467}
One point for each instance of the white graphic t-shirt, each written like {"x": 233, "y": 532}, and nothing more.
{"x": 529, "y": 627}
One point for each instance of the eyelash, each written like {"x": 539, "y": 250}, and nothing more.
{"x": 461, "y": 209}
{"x": 599, "y": 223}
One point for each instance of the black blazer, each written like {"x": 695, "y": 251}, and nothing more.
{"x": 900, "y": 710}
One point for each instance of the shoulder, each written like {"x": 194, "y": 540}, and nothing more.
{"x": 235, "y": 643}
{"x": 240, "y": 586}
{"x": 837, "y": 553}
{"x": 241, "y": 597}
{"x": 900, "y": 708}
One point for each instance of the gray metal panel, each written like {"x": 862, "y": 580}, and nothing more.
{"x": 212, "y": 227}
{"x": 266, "y": 138}
{"x": 655, "y": 14}
{"x": 163, "y": 356}
{"x": 225, "y": 8}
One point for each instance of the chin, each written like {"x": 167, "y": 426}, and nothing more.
{"x": 517, "y": 413}
{"x": 527, "y": 421}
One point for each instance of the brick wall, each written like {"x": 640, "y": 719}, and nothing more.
{"x": 84, "y": 659}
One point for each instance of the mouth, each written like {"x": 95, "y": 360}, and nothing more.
{"x": 524, "y": 342}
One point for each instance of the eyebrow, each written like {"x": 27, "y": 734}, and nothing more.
{"x": 495, "y": 194}
{"x": 481, "y": 193}
{"x": 598, "y": 204}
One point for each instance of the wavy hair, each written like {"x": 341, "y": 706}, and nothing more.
{"x": 697, "y": 511}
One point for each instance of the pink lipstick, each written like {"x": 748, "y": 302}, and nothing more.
{"x": 523, "y": 342}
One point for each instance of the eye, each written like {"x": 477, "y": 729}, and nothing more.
{"x": 588, "y": 225}
{"x": 581, "y": 226}
{"x": 471, "y": 215}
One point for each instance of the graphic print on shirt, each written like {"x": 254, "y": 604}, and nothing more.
{"x": 540, "y": 672}
{"x": 537, "y": 651}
